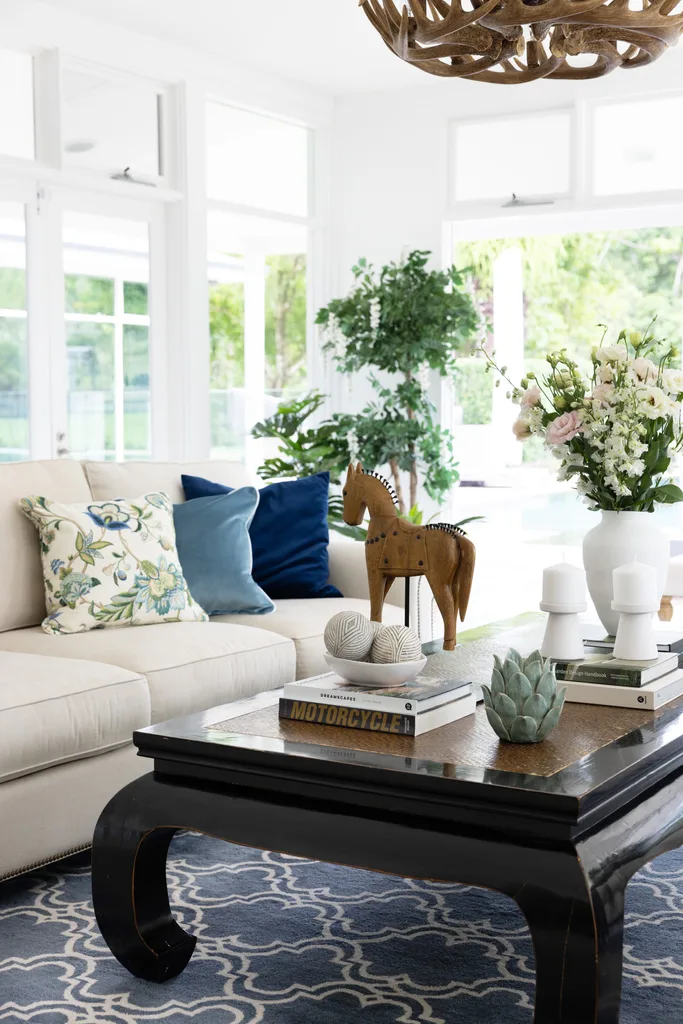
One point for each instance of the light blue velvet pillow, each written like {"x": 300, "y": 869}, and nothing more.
{"x": 214, "y": 548}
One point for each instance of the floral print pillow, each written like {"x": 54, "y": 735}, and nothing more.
{"x": 113, "y": 563}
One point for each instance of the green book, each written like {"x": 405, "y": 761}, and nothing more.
{"x": 604, "y": 668}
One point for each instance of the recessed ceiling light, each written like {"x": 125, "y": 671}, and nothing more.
{"x": 80, "y": 146}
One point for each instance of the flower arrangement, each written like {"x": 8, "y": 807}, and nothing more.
{"x": 614, "y": 428}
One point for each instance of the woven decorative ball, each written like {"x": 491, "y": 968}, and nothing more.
{"x": 349, "y": 635}
{"x": 395, "y": 644}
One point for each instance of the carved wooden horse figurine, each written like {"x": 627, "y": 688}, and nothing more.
{"x": 395, "y": 547}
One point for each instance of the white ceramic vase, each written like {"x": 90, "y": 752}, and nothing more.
{"x": 621, "y": 537}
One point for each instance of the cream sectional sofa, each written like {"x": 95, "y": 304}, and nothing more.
{"x": 69, "y": 704}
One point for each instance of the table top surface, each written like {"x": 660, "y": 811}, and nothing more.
{"x": 593, "y": 753}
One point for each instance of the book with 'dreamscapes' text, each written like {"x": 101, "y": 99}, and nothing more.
{"x": 423, "y": 694}
{"x": 394, "y": 723}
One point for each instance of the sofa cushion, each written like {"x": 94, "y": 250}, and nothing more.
{"x": 110, "y": 564}
{"x": 215, "y": 552}
{"x": 126, "y": 479}
{"x": 189, "y": 666}
{"x": 54, "y": 710}
{"x": 289, "y": 535}
{"x": 304, "y": 621}
{"x": 22, "y": 597}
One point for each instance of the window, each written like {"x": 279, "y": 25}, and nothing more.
{"x": 638, "y": 146}
{"x": 106, "y": 266}
{"x": 111, "y": 123}
{"x": 257, "y": 315}
{"x": 256, "y": 161}
{"x": 528, "y": 155}
{"x": 16, "y": 114}
{"x": 14, "y": 422}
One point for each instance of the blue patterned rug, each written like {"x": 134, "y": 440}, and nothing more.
{"x": 286, "y": 941}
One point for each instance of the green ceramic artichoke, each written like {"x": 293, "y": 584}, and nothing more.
{"x": 523, "y": 703}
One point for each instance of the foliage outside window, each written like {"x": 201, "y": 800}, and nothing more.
{"x": 91, "y": 348}
{"x": 284, "y": 341}
{"x": 473, "y": 391}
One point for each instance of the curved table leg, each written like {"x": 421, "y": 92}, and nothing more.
{"x": 129, "y": 889}
{"x": 578, "y": 947}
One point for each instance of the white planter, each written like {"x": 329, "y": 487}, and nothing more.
{"x": 621, "y": 537}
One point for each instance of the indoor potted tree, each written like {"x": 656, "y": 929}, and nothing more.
{"x": 403, "y": 321}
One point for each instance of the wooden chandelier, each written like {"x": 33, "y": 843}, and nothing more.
{"x": 512, "y": 41}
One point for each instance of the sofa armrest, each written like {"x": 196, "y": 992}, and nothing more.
{"x": 348, "y": 573}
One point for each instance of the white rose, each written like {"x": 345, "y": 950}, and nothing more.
{"x": 653, "y": 403}
{"x": 672, "y": 381}
{"x": 612, "y": 354}
{"x": 645, "y": 370}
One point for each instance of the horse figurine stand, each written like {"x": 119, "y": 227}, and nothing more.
{"x": 397, "y": 548}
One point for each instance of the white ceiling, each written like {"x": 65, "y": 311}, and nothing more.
{"x": 329, "y": 44}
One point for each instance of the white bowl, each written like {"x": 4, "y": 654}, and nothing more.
{"x": 363, "y": 673}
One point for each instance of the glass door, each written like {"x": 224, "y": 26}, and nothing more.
{"x": 107, "y": 324}
{"x": 14, "y": 396}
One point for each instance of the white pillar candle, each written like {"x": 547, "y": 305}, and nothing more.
{"x": 564, "y": 585}
{"x": 635, "y": 585}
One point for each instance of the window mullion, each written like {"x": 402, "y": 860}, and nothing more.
{"x": 119, "y": 404}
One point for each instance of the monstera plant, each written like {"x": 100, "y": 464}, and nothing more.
{"x": 523, "y": 703}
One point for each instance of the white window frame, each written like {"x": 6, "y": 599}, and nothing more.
{"x": 582, "y": 200}
{"x": 661, "y": 197}
{"x": 254, "y": 321}
{"x": 476, "y": 205}
{"x": 116, "y": 75}
{"x": 151, "y": 215}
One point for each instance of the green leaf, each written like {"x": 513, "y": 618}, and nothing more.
{"x": 505, "y": 709}
{"x": 497, "y": 683}
{"x": 536, "y": 707}
{"x": 533, "y": 671}
{"x": 547, "y": 685}
{"x": 668, "y": 494}
{"x": 497, "y": 724}
{"x": 149, "y": 568}
{"x": 98, "y": 545}
{"x": 87, "y": 558}
{"x": 519, "y": 689}
{"x": 549, "y": 723}
{"x": 79, "y": 542}
{"x": 524, "y": 730}
{"x": 488, "y": 699}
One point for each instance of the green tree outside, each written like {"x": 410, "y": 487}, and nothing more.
{"x": 573, "y": 283}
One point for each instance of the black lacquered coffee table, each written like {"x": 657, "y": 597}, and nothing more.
{"x": 560, "y": 827}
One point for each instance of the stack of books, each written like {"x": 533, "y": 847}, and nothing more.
{"x": 600, "y": 678}
{"x": 409, "y": 710}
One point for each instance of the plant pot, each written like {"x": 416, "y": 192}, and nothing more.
{"x": 621, "y": 537}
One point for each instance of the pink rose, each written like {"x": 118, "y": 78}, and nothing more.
{"x": 531, "y": 397}
{"x": 602, "y": 393}
{"x": 564, "y": 428}
{"x": 520, "y": 428}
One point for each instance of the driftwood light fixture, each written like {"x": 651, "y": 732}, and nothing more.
{"x": 511, "y": 41}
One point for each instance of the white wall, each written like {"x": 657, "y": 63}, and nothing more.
{"x": 33, "y": 25}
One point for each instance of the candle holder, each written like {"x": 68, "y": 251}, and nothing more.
{"x": 563, "y": 640}
{"x": 635, "y": 598}
{"x": 635, "y": 639}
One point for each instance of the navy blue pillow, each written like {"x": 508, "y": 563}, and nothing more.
{"x": 289, "y": 535}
